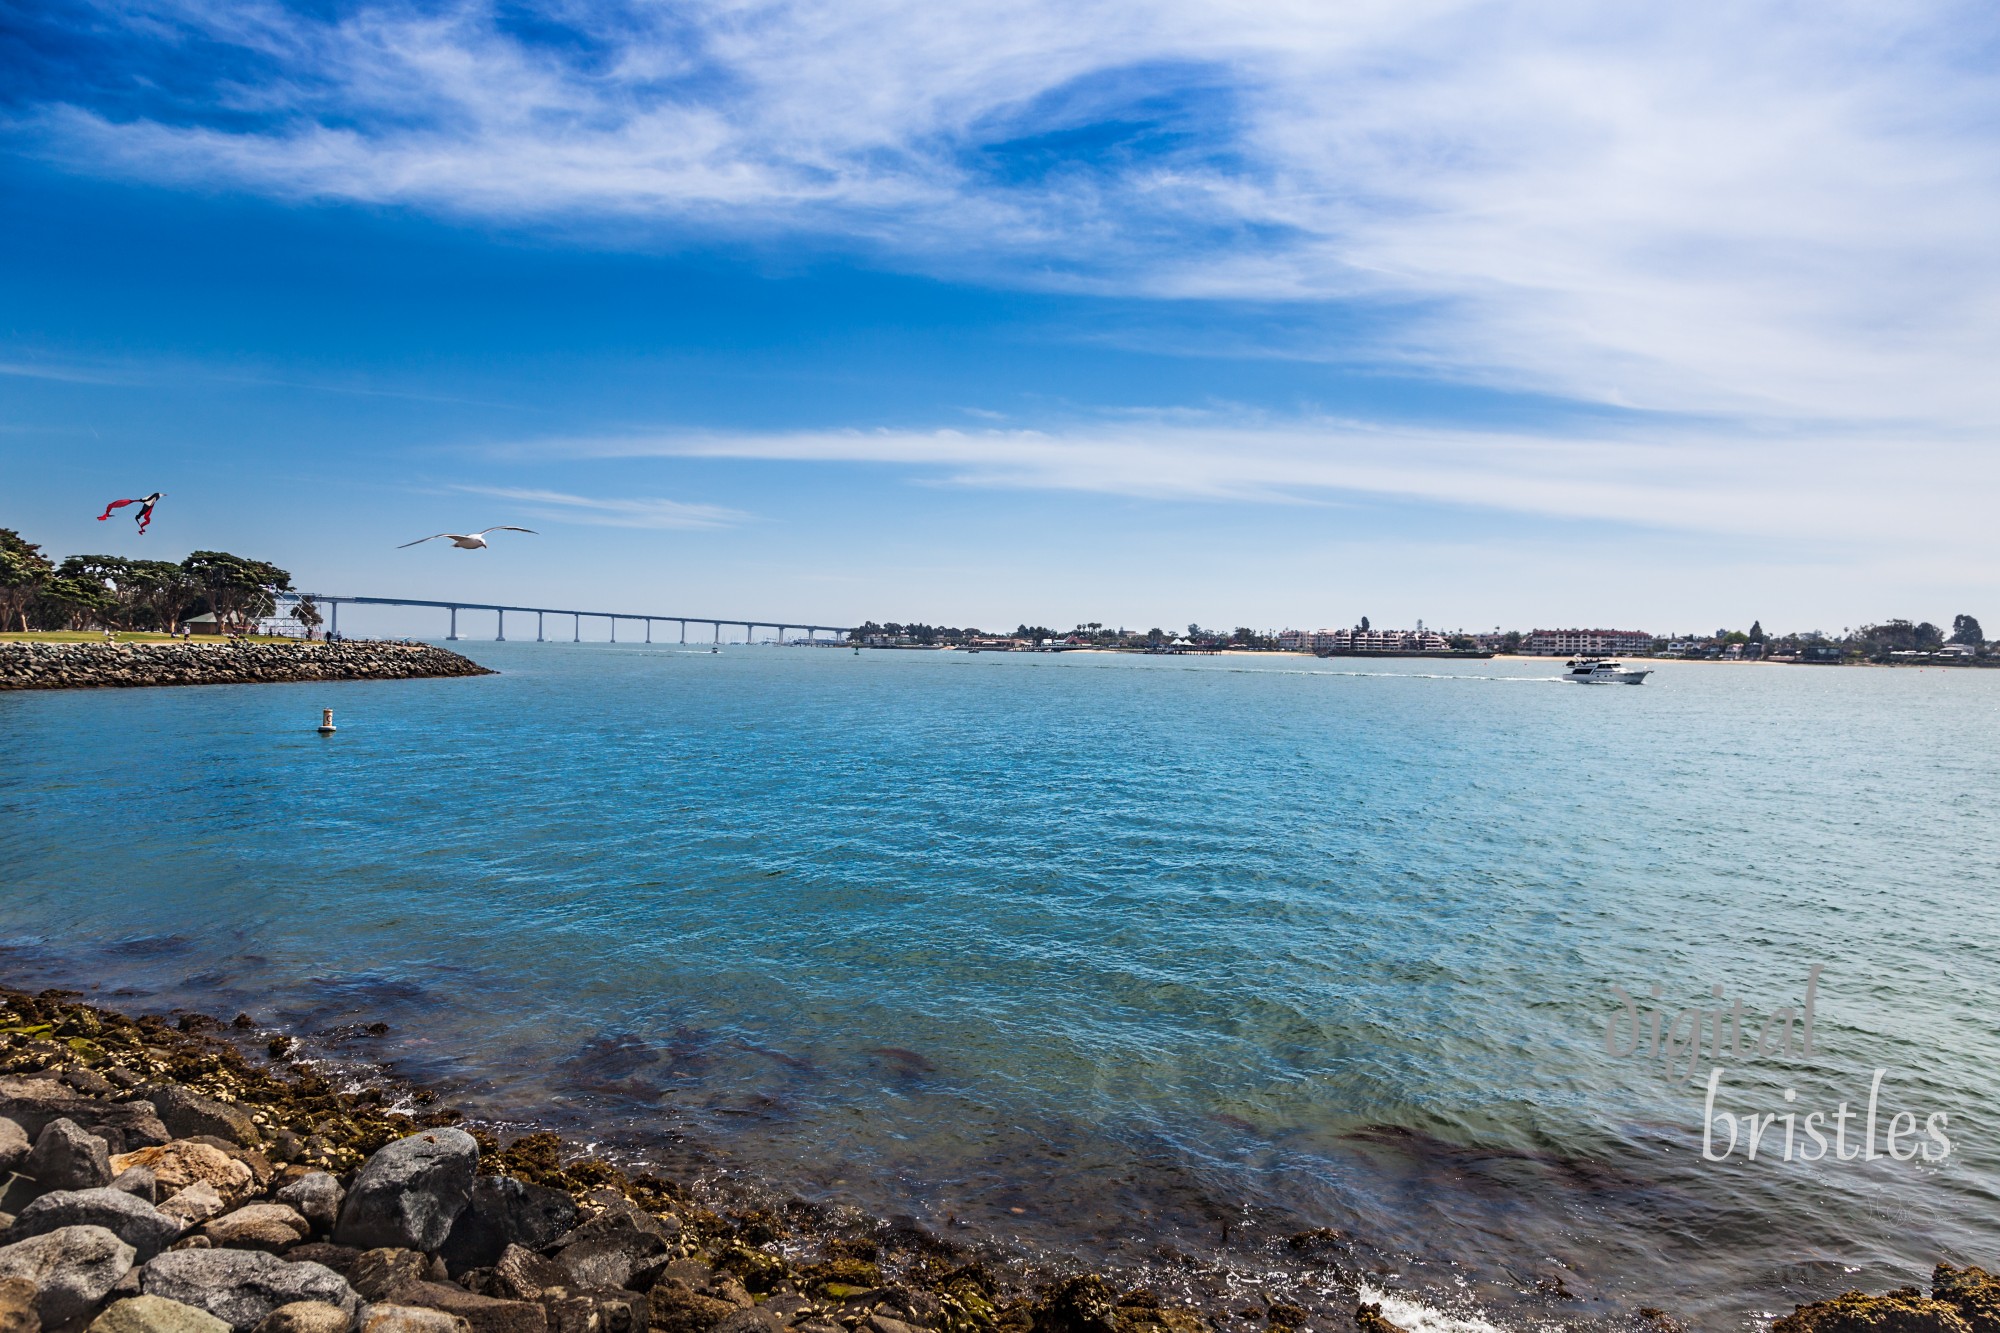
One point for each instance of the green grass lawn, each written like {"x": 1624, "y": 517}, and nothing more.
{"x": 87, "y": 636}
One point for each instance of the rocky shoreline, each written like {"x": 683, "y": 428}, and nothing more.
{"x": 73, "y": 666}
{"x": 159, "y": 1179}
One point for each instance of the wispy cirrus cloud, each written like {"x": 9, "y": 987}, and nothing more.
{"x": 1872, "y": 490}
{"x": 1776, "y": 211}
{"x": 618, "y": 512}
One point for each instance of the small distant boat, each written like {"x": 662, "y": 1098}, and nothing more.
{"x": 1601, "y": 671}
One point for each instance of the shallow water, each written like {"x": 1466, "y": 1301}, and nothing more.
{"x": 1128, "y": 958}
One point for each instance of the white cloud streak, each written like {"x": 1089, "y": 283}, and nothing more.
{"x": 1770, "y": 210}
{"x": 1862, "y": 492}
{"x": 633, "y": 512}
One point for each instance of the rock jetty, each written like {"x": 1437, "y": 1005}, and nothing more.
{"x": 72, "y": 666}
{"x": 161, "y": 1180}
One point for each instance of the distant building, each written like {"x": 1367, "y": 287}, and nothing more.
{"x": 1362, "y": 641}
{"x": 1565, "y": 642}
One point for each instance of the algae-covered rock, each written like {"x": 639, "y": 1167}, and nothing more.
{"x": 1904, "y": 1310}
{"x": 1368, "y": 1319}
{"x": 380, "y": 1271}
{"x": 1076, "y": 1305}
{"x": 1973, "y": 1292}
{"x": 675, "y": 1307}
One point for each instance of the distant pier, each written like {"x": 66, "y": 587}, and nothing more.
{"x": 576, "y": 618}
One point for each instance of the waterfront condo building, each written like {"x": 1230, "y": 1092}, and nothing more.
{"x": 1564, "y": 642}
{"x": 1362, "y": 641}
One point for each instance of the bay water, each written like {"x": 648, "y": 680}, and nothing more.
{"x": 1137, "y": 962}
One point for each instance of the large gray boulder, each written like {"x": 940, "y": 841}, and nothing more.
{"x": 611, "y": 1260}
{"x": 153, "y": 1314}
{"x": 139, "y": 1182}
{"x": 145, "y": 1228}
{"x": 72, "y": 1269}
{"x": 190, "y": 1115}
{"x": 68, "y": 1157}
{"x": 505, "y": 1211}
{"x": 258, "y": 1226}
{"x": 410, "y": 1193}
{"x": 317, "y": 1196}
{"x": 14, "y": 1146}
{"x": 484, "y": 1313}
{"x": 32, "y": 1103}
{"x": 242, "y": 1287}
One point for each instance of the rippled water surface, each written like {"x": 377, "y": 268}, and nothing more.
{"x": 1127, "y": 958}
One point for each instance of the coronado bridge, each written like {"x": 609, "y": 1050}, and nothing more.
{"x": 576, "y": 618}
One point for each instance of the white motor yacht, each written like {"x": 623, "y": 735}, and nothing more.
{"x": 1601, "y": 671}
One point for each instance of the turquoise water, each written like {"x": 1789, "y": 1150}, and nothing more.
{"x": 1149, "y": 961}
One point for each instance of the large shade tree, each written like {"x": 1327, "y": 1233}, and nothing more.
{"x": 23, "y": 569}
{"x": 68, "y": 601}
{"x": 235, "y": 587}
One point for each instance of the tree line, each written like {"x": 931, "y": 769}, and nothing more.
{"x": 1094, "y": 634}
{"x": 82, "y": 591}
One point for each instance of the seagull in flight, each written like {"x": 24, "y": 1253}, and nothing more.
{"x": 465, "y": 541}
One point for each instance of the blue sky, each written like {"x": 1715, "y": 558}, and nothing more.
{"x": 1277, "y": 314}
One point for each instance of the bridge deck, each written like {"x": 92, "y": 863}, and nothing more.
{"x": 577, "y": 616}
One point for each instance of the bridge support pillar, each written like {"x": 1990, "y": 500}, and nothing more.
{"x": 718, "y": 633}
{"x": 501, "y": 635}
{"x": 538, "y": 627}
{"x": 649, "y": 629}
{"x": 576, "y": 628}
{"x": 336, "y": 618}
{"x": 684, "y": 631}
{"x": 614, "y": 628}
{"x": 454, "y": 624}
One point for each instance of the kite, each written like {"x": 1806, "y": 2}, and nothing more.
{"x": 145, "y": 514}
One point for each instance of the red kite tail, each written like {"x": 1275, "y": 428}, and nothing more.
{"x": 115, "y": 504}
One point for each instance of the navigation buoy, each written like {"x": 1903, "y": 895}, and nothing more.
{"x": 326, "y": 722}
